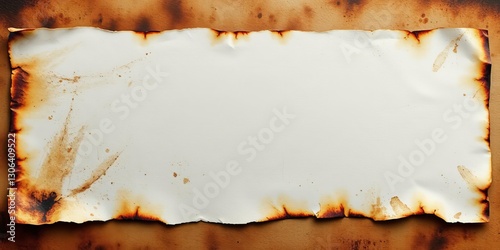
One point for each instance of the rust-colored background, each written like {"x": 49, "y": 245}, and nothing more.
{"x": 421, "y": 232}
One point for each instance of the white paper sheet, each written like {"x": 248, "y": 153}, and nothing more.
{"x": 195, "y": 124}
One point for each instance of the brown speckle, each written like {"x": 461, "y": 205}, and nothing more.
{"x": 272, "y": 18}
{"x": 457, "y": 215}
{"x": 175, "y": 174}
{"x": 308, "y": 11}
{"x": 186, "y": 180}
{"x": 50, "y": 117}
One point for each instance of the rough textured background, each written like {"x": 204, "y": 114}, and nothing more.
{"x": 307, "y": 233}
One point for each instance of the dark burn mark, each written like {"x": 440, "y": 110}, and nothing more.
{"x": 259, "y": 16}
{"x": 285, "y": 214}
{"x": 211, "y": 241}
{"x": 85, "y": 245}
{"x": 44, "y": 202}
{"x": 418, "y": 35}
{"x": 10, "y": 10}
{"x": 143, "y": 25}
{"x": 38, "y": 196}
{"x": 14, "y": 36}
{"x": 113, "y": 25}
{"x": 354, "y": 4}
{"x": 439, "y": 240}
{"x": 44, "y": 190}
{"x": 356, "y": 245}
{"x": 99, "y": 19}
{"x": 487, "y": 134}
{"x": 484, "y": 73}
{"x": 484, "y": 37}
{"x": 48, "y": 22}
{"x": 484, "y": 83}
{"x": 282, "y": 34}
{"x": 99, "y": 247}
{"x": 218, "y": 34}
{"x": 332, "y": 212}
{"x": 136, "y": 215}
{"x": 145, "y": 34}
{"x": 19, "y": 86}
{"x": 240, "y": 33}
{"x": 175, "y": 11}
{"x": 420, "y": 210}
{"x": 486, "y": 206}
{"x": 355, "y": 214}
{"x": 475, "y": 184}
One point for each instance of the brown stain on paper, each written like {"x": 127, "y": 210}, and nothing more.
{"x": 399, "y": 207}
{"x": 441, "y": 58}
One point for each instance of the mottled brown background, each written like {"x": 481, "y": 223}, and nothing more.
{"x": 422, "y": 232}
